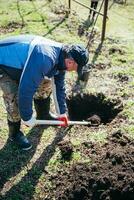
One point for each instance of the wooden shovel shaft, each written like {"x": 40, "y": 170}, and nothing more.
{"x": 56, "y": 122}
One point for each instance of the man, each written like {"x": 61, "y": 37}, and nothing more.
{"x": 30, "y": 67}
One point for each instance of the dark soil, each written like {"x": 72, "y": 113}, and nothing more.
{"x": 109, "y": 177}
{"x": 10, "y": 27}
{"x": 122, "y": 77}
{"x": 100, "y": 66}
{"x": 116, "y": 50}
{"x": 66, "y": 149}
{"x": 95, "y": 120}
{"x": 85, "y": 106}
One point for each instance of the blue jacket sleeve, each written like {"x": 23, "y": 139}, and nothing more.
{"x": 59, "y": 80}
{"x": 32, "y": 76}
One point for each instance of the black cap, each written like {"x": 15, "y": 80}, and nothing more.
{"x": 80, "y": 54}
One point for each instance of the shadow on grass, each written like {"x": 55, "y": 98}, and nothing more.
{"x": 26, "y": 187}
{"x": 13, "y": 159}
{"x": 58, "y": 24}
{"x": 42, "y": 17}
{"x": 23, "y": 22}
{"x": 44, "y": 20}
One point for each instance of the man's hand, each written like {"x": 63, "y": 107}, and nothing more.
{"x": 82, "y": 79}
{"x": 31, "y": 122}
{"x": 63, "y": 118}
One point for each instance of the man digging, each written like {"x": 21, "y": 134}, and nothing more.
{"x": 31, "y": 67}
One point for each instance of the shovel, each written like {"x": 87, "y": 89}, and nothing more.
{"x": 56, "y": 122}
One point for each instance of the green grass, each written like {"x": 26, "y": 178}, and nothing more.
{"x": 27, "y": 175}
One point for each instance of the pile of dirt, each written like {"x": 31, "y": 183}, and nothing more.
{"x": 66, "y": 149}
{"x": 110, "y": 176}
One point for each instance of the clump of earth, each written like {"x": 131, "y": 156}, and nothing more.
{"x": 66, "y": 149}
{"x": 94, "y": 120}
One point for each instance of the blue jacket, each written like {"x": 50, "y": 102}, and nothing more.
{"x": 28, "y": 59}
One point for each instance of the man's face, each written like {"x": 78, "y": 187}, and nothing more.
{"x": 71, "y": 65}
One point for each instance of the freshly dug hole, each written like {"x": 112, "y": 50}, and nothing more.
{"x": 85, "y": 106}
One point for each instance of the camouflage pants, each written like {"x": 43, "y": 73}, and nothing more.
{"x": 9, "y": 88}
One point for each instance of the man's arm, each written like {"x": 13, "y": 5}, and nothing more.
{"x": 82, "y": 79}
{"x": 32, "y": 76}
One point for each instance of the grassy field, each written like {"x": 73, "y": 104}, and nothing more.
{"x": 39, "y": 174}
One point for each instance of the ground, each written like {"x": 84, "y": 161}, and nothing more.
{"x": 109, "y": 175}
{"x": 94, "y": 162}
